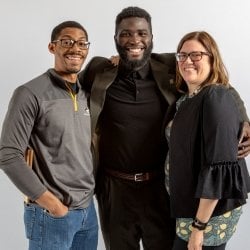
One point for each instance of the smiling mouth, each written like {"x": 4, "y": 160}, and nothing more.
{"x": 74, "y": 58}
{"x": 135, "y": 51}
{"x": 189, "y": 69}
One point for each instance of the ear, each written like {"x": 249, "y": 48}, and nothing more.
{"x": 51, "y": 48}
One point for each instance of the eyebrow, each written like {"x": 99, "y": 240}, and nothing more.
{"x": 136, "y": 31}
{"x": 70, "y": 37}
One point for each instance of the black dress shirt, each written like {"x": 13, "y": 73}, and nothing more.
{"x": 131, "y": 123}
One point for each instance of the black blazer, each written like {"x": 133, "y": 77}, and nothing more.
{"x": 99, "y": 74}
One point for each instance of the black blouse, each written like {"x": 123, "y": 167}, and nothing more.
{"x": 203, "y": 154}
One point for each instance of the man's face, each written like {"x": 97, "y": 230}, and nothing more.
{"x": 134, "y": 42}
{"x": 69, "y": 59}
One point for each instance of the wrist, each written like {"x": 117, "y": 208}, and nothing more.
{"x": 49, "y": 201}
{"x": 199, "y": 224}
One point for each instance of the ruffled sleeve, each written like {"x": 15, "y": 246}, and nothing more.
{"x": 224, "y": 180}
{"x": 222, "y": 175}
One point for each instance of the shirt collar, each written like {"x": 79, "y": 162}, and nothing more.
{"x": 139, "y": 74}
{"x": 60, "y": 81}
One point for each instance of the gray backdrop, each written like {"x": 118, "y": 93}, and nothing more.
{"x": 25, "y": 32}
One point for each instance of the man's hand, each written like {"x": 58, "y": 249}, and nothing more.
{"x": 244, "y": 143}
{"x": 52, "y": 204}
{"x": 114, "y": 60}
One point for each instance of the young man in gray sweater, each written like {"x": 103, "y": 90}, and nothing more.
{"x": 50, "y": 115}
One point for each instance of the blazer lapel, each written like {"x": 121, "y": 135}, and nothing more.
{"x": 164, "y": 80}
{"x": 98, "y": 93}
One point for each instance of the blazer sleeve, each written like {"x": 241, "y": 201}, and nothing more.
{"x": 86, "y": 77}
{"x": 96, "y": 65}
{"x": 240, "y": 104}
{"x": 168, "y": 59}
{"x": 222, "y": 175}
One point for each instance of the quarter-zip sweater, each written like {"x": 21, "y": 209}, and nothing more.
{"x": 43, "y": 114}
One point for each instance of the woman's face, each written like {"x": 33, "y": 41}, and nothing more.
{"x": 196, "y": 71}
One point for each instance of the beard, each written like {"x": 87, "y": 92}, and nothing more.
{"x": 134, "y": 64}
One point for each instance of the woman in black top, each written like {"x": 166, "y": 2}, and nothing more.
{"x": 208, "y": 184}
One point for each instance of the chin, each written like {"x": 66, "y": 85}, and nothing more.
{"x": 135, "y": 58}
{"x": 134, "y": 62}
{"x": 74, "y": 70}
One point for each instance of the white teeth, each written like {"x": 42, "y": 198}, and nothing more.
{"x": 73, "y": 57}
{"x": 135, "y": 50}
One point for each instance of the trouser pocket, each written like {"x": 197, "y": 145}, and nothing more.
{"x": 29, "y": 220}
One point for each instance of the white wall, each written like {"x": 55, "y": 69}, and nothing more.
{"x": 25, "y": 28}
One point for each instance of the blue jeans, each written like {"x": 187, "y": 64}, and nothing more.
{"x": 77, "y": 230}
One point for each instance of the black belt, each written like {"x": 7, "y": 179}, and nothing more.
{"x": 133, "y": 177}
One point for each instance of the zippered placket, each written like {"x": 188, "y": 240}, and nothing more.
{"x": 73, "y": 97}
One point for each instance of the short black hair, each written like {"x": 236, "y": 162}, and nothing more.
{"x": 132, "y": 12}
{"x": 67, "y": 24}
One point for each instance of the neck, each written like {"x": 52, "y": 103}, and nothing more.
{"x": 71, "y": 78}
{"x": 193, "y": 90}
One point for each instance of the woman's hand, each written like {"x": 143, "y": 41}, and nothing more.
{"x": 204, "y": 212}
{"x": 196, "y": 240}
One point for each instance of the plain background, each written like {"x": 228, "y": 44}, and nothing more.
{"x": 25, "y": 28}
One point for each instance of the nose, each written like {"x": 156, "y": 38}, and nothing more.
{"x": 188, "y": 60}
{"x": 134, "y": 38}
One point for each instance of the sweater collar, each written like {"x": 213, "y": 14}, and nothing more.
{"x": 60, "y": 81}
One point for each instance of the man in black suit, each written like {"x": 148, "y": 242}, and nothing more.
{"x": 128, "y": 106}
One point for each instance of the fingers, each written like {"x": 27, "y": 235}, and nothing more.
{"x": 244, "y": 147}
{"x": 114, "y": 60}
{"x": 245, "y": 133}
{"x": 244, "y": 150}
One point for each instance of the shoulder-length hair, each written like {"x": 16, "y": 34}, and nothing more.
{"x": 218, "y": 72}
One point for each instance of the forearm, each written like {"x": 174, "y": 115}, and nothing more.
{"x": 21, "y": 175}
{"x": 29, "y": 184}
{"x": 204, "y": 212}
{"x": 205, "y": 209}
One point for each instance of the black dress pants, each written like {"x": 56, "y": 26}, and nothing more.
{"x": 131, "y": 212}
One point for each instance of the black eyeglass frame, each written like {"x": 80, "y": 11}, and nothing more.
{"x": 72, "y": 43}
{"x": 200, "y": 54}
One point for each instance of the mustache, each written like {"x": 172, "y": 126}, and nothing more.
{"x": 75, "y": 54}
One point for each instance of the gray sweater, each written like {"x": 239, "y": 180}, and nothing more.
{"x": 43, "y": 115}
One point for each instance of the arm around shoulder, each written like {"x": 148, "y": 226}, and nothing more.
{"x": 166, "y": 58}
{"x": 240, "y": 104}
{"x": 88, "y": 74}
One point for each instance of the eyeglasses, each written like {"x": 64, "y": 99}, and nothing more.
{"x": 69, "y": 43}
{"x": 194, "y": 56}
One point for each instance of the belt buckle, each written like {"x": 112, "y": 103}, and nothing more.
{"x": 138, "y": 177}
